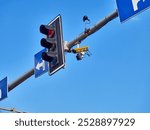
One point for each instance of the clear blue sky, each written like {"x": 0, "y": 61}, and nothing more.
{"x": 116, "y": 78}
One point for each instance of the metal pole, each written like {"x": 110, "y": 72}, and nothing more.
{"x": 20, "y": 80}
{"x": 77, "y": 40}
{"x": 95, "y": 28}
{"x": 11, "y": 110}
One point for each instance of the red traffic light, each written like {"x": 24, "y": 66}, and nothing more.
{"x": 53, "y": 44}
{"x": 50, "y": 32}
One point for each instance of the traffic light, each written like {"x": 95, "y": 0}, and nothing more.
{"x": 54, "y": 45}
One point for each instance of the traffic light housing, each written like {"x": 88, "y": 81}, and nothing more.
{"x": 53, "y": 42}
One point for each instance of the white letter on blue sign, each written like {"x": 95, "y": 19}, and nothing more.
{"x": 135, "y": 4}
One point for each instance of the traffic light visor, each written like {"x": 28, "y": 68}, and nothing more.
{"x": 47, "y": 31}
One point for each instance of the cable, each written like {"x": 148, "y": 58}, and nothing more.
{"x": 11, "y": 110}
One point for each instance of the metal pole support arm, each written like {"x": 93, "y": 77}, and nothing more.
{"x": 20, "y": 79}
{"x": 95, "y": 28}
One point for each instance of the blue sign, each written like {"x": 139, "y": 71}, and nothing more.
{"x": 40, "y": 66}
{"x": 3, "y": 88}
{"x": 129, "y": 8}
